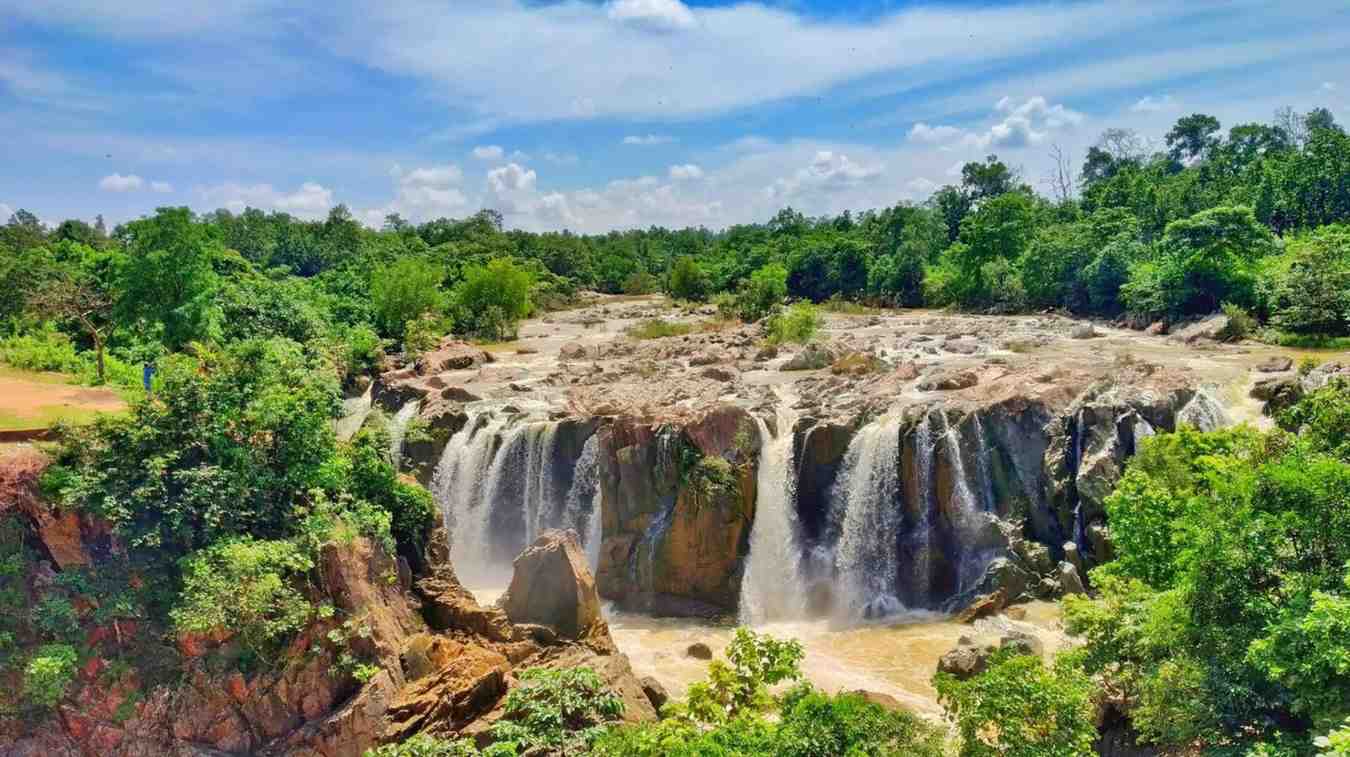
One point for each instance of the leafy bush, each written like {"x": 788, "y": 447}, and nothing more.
{"x": 762, "y": 293}
{"x": 1309, "y": 293}
{"x": 741, "y": 684}
{"x": 48, "y": 674}
{"x": 1322, "y": 419}
{"x": 798, "y": 324}
{"x": 640, "y": 282}
{"x": 51, "y": 350}
{"x": 560, "y": 711}
{"x": 1019, "y": 708}
{"x": 492, "y": 299}
{"x": 814, "y": 724}
{"x": 1336, "y": 743}
{"x": 424, "y": 333}
{"x": 244, "y": 586}
{"x": 404, "y": 291}
{"x": 687, "y": 280}
{"x": 1240, "y": 323}
{"x": 229, "y": 443}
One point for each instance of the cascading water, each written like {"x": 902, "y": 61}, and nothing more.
{"x": 500, "y": 484}
{"x": 398, "y": 428}
{"x": 772, "y": 586}
{"x": 458, "y": 484}
{"x": 868, "y": 492}
{"x": 921, "y": 538}
{"x": 355, "y": 410}
{"x": 581, "y": 509}
{"x": 970, "y": 507}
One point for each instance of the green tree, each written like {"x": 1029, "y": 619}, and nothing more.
{"x": 1018, "y": 708}
{"x": 492, "y": 299}
{"x": 687, "y": 281}
{"x": 1192, "y": 137}
{"x": 405, "y": 290}
{"x": 169, "y": 279}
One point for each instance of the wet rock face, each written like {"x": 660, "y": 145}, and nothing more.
{"x": 677, "y": 505}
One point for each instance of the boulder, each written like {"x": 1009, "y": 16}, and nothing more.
{"x": 1069, "y": 580}
{"x": 1212, "y": 328}
{"x": 458, "y": 394}
{"x": 469, "y": 683}
{"x": 809, "y": 358}
{"x": 718, "y": 374}
{"x": 699, "y": 651}
{"x": 949, "y": 380}
{"x": 966, "y": 660}
{"x": 552, "y": 586}
{"x": 1157, "y": 328}
{"x": 656, "y": 693}
{"x": 961, "y": 346}
{"x": 613, "y": 668}
{"x": 573, "y": 351}
{"x": 983, "y": 606}
{"x": 856, "y": 364}
{"x": 451, "y": 355}
{"x": 1083, "y": 331}
{"x": 1275, "y": 364}
{"x": 1022, "y": 643}
{"x": 700, "y": 359}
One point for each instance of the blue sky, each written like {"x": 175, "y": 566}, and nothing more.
{"x": 613, "y": 114}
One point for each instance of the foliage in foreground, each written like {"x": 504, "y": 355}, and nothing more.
{"x": 1226, "y": 617}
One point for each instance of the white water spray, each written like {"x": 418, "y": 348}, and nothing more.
{"x": 868, "y": 490}
{"x": 772, "y": 586}
{"x": 398, "y": 428}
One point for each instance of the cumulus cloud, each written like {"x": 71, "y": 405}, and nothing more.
{"x": 488, "y": 152}
{"x": 118, "y": 183}
{"x": 662, "y": 15}
{"x": 311, "y": 201}
{"x": 1151, "y": 104}
{"x": 686, "y": 172}
{"x": 162, "y": 187}
{"x": 1022, "y": 124}
{"x": 511, "y": 177}
{"x": 647, "y": 140}
{"x": 5, "y": 212}
{"x": 828, "y": 171}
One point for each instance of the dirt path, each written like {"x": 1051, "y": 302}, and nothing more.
{"x": 37, "y": 400}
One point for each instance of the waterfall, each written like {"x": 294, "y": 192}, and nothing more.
{"x": 922, "y": 537}
{"x": 581, "y": 509}
{"x": 868, "y": 492}
{"x": 969, "y": 509}
{"x": 501, "y": 483}
{"x": 772, "y": 587}
{"x": 355, "y": 410}
{"x": 398, "y": 427}
{"x": 458, "y": 485}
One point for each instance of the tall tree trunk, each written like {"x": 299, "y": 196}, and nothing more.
{"x": 98, "y": 345}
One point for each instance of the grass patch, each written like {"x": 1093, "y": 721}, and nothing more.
{"x": 1304, "y": 341}
{"x": 798, "y": 325}
{"x": 657, "y": 328}
{"x": 46, "y": 417}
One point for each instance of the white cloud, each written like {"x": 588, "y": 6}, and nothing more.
{"x": 665, "y": 15}
{"x": 1151, "y": 104}
{"x": 686, "y": 172}
{"x": 5, "y": 212}
{"x": 922, "y": 132}
{"x": 921, "y": 186}
{"x": 488, "y": 152}
{"x": 828, "y": 171}
{"x": 511, "y": 177}
{"x": 118, "y": 183}
{"x": 431, "y": 176}
{"x": 162, "y": 187}
{"x": 1022, "y": 124}
{"x": 647, "y": 140}
{"x": 311, "y": 201}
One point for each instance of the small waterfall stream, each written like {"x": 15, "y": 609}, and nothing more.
{"x": 398, "y": 429}
{"x": 868, "y": 491}
{"x": 772, "y": 586}
{"x": 355, "y": 410}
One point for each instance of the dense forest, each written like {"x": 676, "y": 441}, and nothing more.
{"x": 1223, "y": 623}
